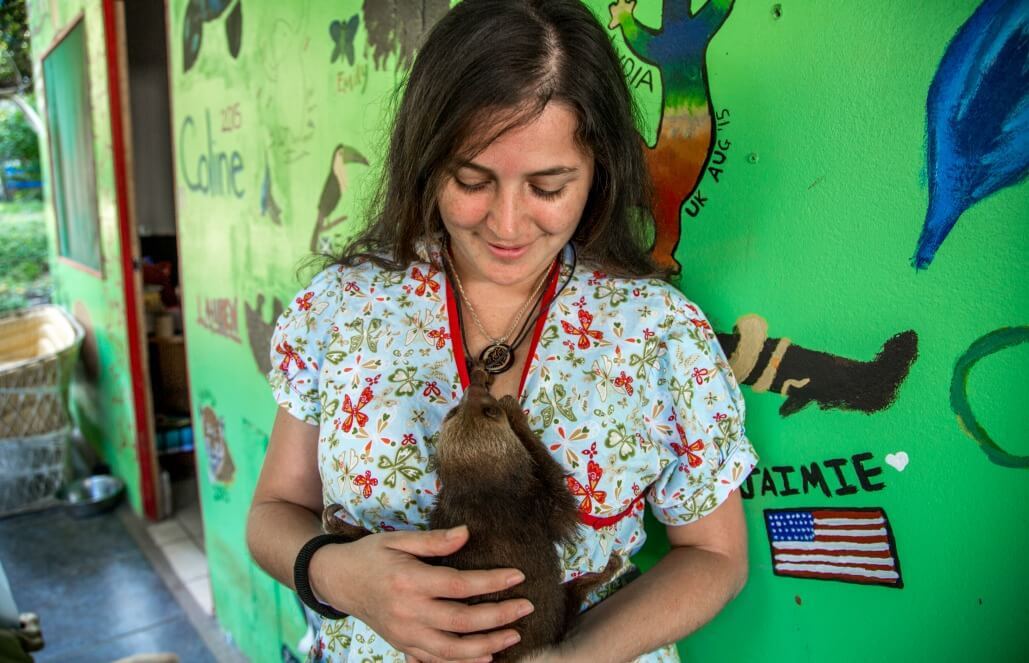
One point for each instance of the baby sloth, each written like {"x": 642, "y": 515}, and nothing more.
{"x": 498, "y": 479}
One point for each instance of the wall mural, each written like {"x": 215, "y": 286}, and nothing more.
{"x": 214, "y": 162}
{"x": 395, "y": 28}
{"x": 686, "y": 132}
{"x": 219, "y": 461}
{"x": 285, "y": 88}
{"x": 278, "y": 142}
{"x": 343, "y": 33}
{"x": 334, "y": 188}
{"x": 803, "y": 375}
{"x": 269, "y": 207}
{"x": 825, "y": 476}
{"x": 977, "y": 114}
{"x": 259, "y": 330}
{"x": 847, "y": 545}
{"x": 219, "y": 315}
{"x": 273, "y": 140}
{"x": 199, "y": 12}
{"x": 687, "y": 144}
{"x": 995, "y": 341}
{"x": 207, "y": 165}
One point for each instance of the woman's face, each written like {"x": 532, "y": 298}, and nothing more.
{"x": 512, "y": 207}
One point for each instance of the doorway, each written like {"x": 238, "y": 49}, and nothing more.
{"x": 146, "y": 109}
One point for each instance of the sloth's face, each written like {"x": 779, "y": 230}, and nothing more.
{"x": 477, "y": 432}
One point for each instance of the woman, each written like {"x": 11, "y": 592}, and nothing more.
{"x": 510, "y": 227}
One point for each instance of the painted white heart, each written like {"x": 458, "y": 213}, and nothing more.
{"x": 897, "y": 461}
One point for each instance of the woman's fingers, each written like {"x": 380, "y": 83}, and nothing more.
{"x": 455, "y": 617}
{"x": 416, "y": 606}
{"x": 433, "y": 543}
{"x": 445, "y": 582}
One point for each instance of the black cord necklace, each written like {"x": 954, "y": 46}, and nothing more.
{"x": 498, "y": 357}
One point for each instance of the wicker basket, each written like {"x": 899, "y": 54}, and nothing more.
{"x": 38, "y": 349}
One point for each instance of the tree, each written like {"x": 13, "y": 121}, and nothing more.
{"x": 15, "y": 54}
{"x": 16, "y": 59}
{"x": 17, "y": 139}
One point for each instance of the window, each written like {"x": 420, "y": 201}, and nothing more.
{"x": 73, "y": 173}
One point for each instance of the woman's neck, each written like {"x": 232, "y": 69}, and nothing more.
{"x": 484, "y": 292}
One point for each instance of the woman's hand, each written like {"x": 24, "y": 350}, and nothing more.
{"x": 413, "y": 605}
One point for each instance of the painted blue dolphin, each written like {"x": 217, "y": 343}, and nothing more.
{"x": 978, "y": 118}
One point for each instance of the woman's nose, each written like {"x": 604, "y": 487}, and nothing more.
{"x": 505, "y": 214}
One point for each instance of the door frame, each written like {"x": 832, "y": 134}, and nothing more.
{"x": 131, "y": 265}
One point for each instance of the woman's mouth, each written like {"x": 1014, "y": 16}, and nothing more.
{"x": 507, "y": 252}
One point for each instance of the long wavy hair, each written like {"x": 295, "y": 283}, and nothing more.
{"x": 497, "y": 64}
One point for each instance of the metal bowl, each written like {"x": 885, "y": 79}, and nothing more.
{"x": 92, "y": 495}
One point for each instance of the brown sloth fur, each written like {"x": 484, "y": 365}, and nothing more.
{"x": 498, "y": 479}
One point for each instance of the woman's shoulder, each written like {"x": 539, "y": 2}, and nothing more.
{"x": 652, "y": 296}
{"x": 329, "y": 289}
{"x": 340, "y": 278}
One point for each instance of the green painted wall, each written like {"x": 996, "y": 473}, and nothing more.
{"x": 255, "y": 139}
{"x": 820, "y": 134}
{"x": 101, "y": 398}
{"x": 813, "y": 226}
{"x": 801, "y": 201}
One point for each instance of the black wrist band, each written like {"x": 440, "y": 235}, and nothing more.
{"x": 303, "y": 583}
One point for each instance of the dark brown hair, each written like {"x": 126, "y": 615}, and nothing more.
{"x": 497, "y": 63}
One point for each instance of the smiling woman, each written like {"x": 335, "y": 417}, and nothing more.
{"x": 509, "y": 211}
{"x": 554, "y": 61}
{"x": 509, "y": 226}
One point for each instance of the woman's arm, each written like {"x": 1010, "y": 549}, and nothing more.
{"x": 286, "y": 509}
{"x": 705, "y": 569}
{"x": 378, "y": 579}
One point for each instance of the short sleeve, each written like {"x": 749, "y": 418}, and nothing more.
{"x": 705, "y": 444}
{"x": 299, "y": 343}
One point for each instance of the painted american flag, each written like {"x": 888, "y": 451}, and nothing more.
{"x": 849, "y": 545}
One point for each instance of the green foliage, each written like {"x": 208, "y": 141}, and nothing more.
{"x": 24, "y": 258}
{"x": 15, "y": 54}
{"x": 17, "y": 139}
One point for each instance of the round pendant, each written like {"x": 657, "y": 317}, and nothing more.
{"x": 496, "y": 358}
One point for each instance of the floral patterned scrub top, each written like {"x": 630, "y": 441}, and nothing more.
{"x": 626, "y": 385}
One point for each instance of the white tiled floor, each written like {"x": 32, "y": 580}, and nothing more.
{"x": 200, "y": 590}
{"x": 186, "y": 559}
{"x": 181, "y": 541}
{"x": 167, "y": 531}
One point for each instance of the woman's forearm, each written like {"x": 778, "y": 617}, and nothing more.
{"x": 684, "y": 591}
{"x": 275, "y": 533}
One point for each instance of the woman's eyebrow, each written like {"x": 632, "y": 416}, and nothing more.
{"x": 555, "y": 170}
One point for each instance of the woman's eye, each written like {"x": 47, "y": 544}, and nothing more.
{"x": 547, "y": 195}
{"x": 477, "y": 186}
